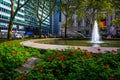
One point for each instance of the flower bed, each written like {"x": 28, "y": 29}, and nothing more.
{"x": 69, "y": 64}
{"x": 77, "y": 65}
{"x": 13, "y": 55}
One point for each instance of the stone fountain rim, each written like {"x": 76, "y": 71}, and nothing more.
{"x": 31, "y": 43}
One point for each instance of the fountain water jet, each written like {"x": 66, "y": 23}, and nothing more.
{"x": 95, "y": 35}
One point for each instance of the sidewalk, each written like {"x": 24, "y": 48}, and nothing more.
{"x": 30, "y": 63}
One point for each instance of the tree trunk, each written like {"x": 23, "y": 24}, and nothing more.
{"x": 9, "y": 37}
{"x": 65, "y": 28}
{"x": 40, "y": 30}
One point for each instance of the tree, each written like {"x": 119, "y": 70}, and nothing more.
{"x": 39, "y": 7}
{"x": 116, "y": 6}
{"x": 92, "y": 9}
{"x": 116, "y": 22}
{"x": 14, "y": 11}
{"x": 67, "y": 7}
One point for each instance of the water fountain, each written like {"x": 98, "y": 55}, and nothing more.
{"x": 96, "y": 36}
{"x": 62, "y": 44}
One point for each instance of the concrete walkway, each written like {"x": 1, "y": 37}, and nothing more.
{"x": 28, "y": 64}
{"x": 31, "y": 43}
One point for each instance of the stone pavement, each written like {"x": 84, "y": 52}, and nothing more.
{"x": 28, "y": 64}
{"x": 31, "y": 43}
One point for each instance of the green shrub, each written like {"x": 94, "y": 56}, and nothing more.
{"x": 77, "y": 65}
{"x": 12, "y": 56}
{"x": 69, "y": 64}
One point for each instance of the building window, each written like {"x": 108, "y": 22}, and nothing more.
{"x": 21, "y": 27}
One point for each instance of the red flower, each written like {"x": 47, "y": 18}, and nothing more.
{"x": 56, "y": 54}
{"x": 87, "y": 56}
{"x": 24, "y": 52}
{"x": 34, "y": 67}
{"x": 50, "y": 58}
{"x": 21, "y": 76}
{"x": 62, "y": 57}
{"x": 99, "y": 49}
{"x": 15, "y": 52}
{"x": 41, "y": 68}
{"x": 70, "y": 53}
{"x": 91, "y": 54}
{"x": 27, "y": 75}
{"x": 111, "y": 78}
{"x": 114, "y": 51}
{"x": 63, "y": 65}
{"x": 108, "y": 51}
{"x": 106, "y": 67}
{"x": 78, "y": 48}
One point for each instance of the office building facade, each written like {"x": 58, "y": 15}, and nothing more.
{"x": 55, "y": 19}
{"x": 24, "y": 21}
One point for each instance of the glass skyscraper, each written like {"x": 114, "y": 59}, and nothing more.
{"x": 23, "y": 20}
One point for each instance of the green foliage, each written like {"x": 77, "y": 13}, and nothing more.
{"x": 101, "y": 16}
{"x": 68, "y": 64}
{"x": 116, "y": 4}
{"x": 81, "y": 8}
{"x": 41, "y": 10}
{"x": 116, "y": 22}
{"x": 77, "y": 65}
{"x": 69, "y": 23}
{"x": 68, "y": 9}
{"x": 12, "y": 56}
{"x": 93, "y": 9}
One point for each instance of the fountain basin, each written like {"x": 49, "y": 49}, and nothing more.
{"x": 39, "y": 43}
{"x": 75, "y": 42}
{"x": 97, "y": 42}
